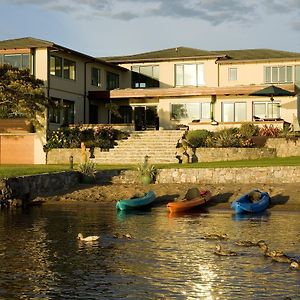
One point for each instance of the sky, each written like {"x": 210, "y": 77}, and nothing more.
{"x": 122, "y": 27}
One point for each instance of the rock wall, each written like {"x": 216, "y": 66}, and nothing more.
{"x": 29, "y": 187}
{"x": 266, "y": 175}
{"x": 225, "y": 154}
{"x": 284, "y": 147}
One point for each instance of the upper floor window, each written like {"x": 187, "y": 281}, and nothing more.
{"x": 145, "y": 76}
{"x": 191, "y": 111}
{"x": 20, "y": 61}
{"x": 232, "y": 74}
{"x": 234, "y": 111}
{"x": 112, "y": 81}
{"x": 279, "y": 74}
{"x": 69, "y": 69}
{"x": 95, "y": 77}
{"x": 189, "y": 75}
{"x": 62, "y": 67}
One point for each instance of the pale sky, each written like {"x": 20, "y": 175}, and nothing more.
{"x": 121, "y": 27}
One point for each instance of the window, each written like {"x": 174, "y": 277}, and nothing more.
{"x": 69, "y": 69}
{"x": 234, "y": 111}
{"x": 95, "y": 77}
{"x": 191, "y": 111}
{"x": 189, "y": 75}
{"x": 20, "y": 61}
{"x": 112, "y": 81}
{"x": 56, "y": 66}
{"x": 62, "y": 67}
{"x": 54, "y": 111}
{"x": 232, "y": 74}
{"x": 297, "y": 74}
{"x": 279, "y": 74}
{"x": 68, "y": 112}
{"x": 266, "y": 110}
{"x": 145, "y": 76}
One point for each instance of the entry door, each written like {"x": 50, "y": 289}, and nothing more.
{"x": 93, "y": 109}
{"x": 140, "y": 118}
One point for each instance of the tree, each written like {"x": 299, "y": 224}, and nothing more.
{"x": 22, "y": 95}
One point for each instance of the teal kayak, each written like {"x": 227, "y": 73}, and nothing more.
{"x": 136, "y": 203}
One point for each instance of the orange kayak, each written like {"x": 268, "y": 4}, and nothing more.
{"x": 185, "y": 204}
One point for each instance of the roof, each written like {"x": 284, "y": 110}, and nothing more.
{"x": 258, "y": 54}
{"x": 165, "y": 54}
{"x": 29, "y": 42}
{"x": 222, "y": 55}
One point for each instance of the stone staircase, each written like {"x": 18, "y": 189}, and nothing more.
{"x": 159, "y": 145}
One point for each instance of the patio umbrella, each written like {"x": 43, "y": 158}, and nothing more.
{"x": 271, "y": 91}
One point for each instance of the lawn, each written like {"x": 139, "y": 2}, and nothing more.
{"x": 20, "y": 170}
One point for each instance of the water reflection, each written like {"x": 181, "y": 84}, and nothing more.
{"x": 166, "y": 258}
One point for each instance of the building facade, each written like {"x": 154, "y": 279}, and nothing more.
{"x": 163, "y": 89}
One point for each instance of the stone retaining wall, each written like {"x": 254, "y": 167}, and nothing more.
{"x": 266, "y": 175}
{"x": 225, "y": 154}
{"x": 29, "y": 187}
{"x": 284, "y": 147}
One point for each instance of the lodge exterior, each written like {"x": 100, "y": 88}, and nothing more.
{"x": 161, "y": 89}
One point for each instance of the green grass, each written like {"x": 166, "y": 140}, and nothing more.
{"x": 20, "y": 170}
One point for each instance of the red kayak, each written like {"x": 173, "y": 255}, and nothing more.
{"x": 188, "y": 204}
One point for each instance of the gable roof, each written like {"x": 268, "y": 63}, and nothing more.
{"x": 223, "y": 56}
{"x": 165, "y": 54}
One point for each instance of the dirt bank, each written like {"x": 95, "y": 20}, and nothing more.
{"x": 283, "y": 196}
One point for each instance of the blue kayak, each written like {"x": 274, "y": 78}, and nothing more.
{"x": 136, "y": 203}
{"x": 245, "y": 205}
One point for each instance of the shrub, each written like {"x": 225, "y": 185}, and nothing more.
{"x": 270, "y": 131}
{"x": 248, "y": 130}
{"x": 228, "y": 137}
{"x": 197, "y": 138}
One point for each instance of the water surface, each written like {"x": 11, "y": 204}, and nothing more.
{"x": 40, "y": 257}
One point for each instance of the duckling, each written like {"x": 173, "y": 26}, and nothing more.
{"x": 263, "y": 245}
{"x": 275, "y": 253}
{"x": 91, "y": 238}
{"x": 295, "y": 265}
{"x": 127, "y": 235}
{"x": 215, "y": 236}
{"x": 281, "y": 259}
{"x": 221, "y": 252}
{"x": 246, "y": 243}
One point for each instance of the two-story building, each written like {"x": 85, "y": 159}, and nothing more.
{"x": 161, "y": 89}
{"x": 206, "y": 89}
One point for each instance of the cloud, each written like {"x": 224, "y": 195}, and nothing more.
{"x": 214, "y": 12}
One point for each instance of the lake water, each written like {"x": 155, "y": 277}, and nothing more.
{"x": 40, "y": 257}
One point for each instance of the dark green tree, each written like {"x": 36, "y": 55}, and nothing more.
{"x": 22, "y": 95}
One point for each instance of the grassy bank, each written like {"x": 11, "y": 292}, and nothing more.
{"x": 20, "y": 170}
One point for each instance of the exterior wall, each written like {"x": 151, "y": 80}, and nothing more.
{"x": 249, "y": 73}
{"x": 17, "y": 149}
{"x": 167, "y": 71}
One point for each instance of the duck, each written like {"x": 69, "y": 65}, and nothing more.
{"x": 91, "y": 238}
{"x": 281, "y": 259}
{"x": 127, "y": 236}
{"x": 221, "y": 252}
{"x": 295, "y": 265}
{"x": 246, "y": 243}
{"x": 215, "y": 236}
{"x": 263, "y": 245}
